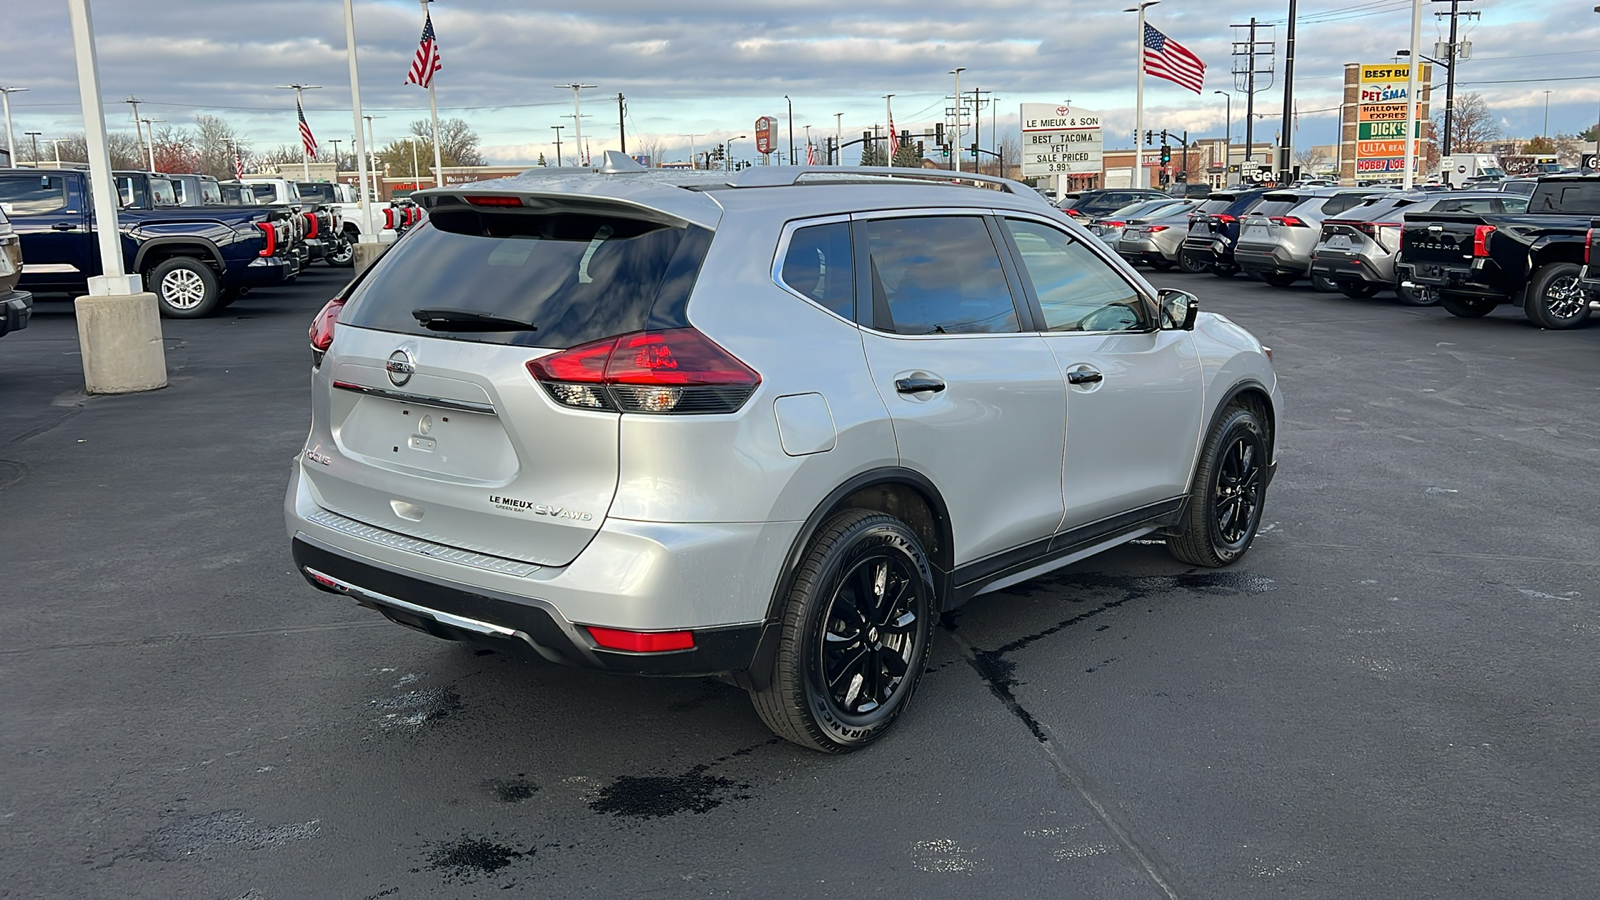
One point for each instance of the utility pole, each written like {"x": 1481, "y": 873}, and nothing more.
{"x": 138, "y": 130}
{"x": 1247, "y": 76}
{"x": 791, "y": 127}
{"x": 838, "y": 138}
{"x": 35, "y": 136}
{"x": 622, "y": 125}
{"x": 1250, "y": 97}
{"x": 577, "y": 121}
{"x": 335, "y": 142}
{"x": 11, "y": 142}
{"x": 299, "y": 104}
{"x": 557, "y": 129}
{"x": 1451, "y": 53}
{"x": 1286, "y": 145}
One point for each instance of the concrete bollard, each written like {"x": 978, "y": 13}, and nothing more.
{"x": 366, "y": 254}
{"x": 120, "y": 338}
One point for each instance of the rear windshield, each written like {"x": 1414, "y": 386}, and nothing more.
{"x": 1377, "y": 210}
{"x": 576, "y": 277}
{"x": 1338, "y": 203}
{"x": 1567, "y": 197}
{"x": 1213, "y": 204}
{"x": 1275, "y": 205}
{"x": 318, "y": 190}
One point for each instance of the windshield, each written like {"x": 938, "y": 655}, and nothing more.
{"x": 576, "y": 277}
{"x": 210, "y": 193}
{"x": 319, "y": 190}
{"x": 1582, "y": 197}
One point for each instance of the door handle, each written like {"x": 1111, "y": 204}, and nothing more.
{"x": 61, "y": 226}
{"x": 918, "y": 385}
{"x": 1084, "y": 376}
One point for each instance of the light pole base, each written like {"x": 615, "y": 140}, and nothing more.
{"x": 120, "y": 338}
{"x": 367, "y": 253}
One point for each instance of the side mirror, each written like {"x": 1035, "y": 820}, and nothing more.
{"x": 1178, "y": 309}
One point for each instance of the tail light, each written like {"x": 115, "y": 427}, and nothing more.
{"x": 322, "y": 329}
{"x": 270, "y": 230}
{"x": 1480, "y": 240}
{"x": 1073, "y": 213}
{"x": 1114, "y": 224}
{"x": 1224, "y": 219}
{"x": 311, "y": 225}
{"x": 641, "y": 641}
{"x": 388, "y": 218}
{"x": 493, "y": 200}
{"x": 1291, "y": 221}
{"x": 1588, "y": 241}
{"x": 1154, "y": 229}
{"x": 678, "y": 370}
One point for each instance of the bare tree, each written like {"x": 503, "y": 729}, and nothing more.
{"x": 125, "y": 150}
{"x": 1010, "y": 156}
{"x": 214, "y": 143}
{"x": 1310, "y": 158}
{"x": 458, "y": 143}
{"x": 650, "y": 146}
{"x": 1472, "y": 125}
{"x": 278, "y": 157}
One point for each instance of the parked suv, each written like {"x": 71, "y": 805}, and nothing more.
{"x": 1098, "y": 202}
{"x": 1213, "y": 230}
{"x": 764, "y": 426}
{"x": 1277, "y": 236}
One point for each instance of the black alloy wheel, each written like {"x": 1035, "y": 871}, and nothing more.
{"x": 1322, "y": 284}
{"x": 1414, "y": 297}
{"x": 855, "y": 635}
{"x": 1227, "y": 495}
{"x": 1191, "y": 264}
{"x": 1555, "y": 297}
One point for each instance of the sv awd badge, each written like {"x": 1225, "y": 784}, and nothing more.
{"x": 512, "y": 504}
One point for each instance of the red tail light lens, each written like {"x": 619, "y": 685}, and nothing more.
{"x": 1114, "y": 224}
{"x": 1224, "y": 219}
{"x": 1073, "y": 213}
{"x": 1588, "y": 241}
{"x": 311, "y": 225}
{"x": 270, "y": 230}
{"x": 678, "y": 370}
{"x": 1155, "y": 229}
{"x": 493, "y": 200}
{"x": 1291, "y": 221}
{"x": 642, "y": 641}
{"x": 322, "y": 327}
{"x": 388, "y": 218}
{"x": 1480, "y": 240}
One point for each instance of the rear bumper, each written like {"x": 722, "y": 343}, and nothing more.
{"x": 713, "y": 579}
{"x": 1354, "y": 267}
{"x": 262, "y": 271}
{"x": 456, "y": 613}
{"x": 1455, "y": 279}
{"x": 16, "y": 307}
{"x": 1270, "y": 258}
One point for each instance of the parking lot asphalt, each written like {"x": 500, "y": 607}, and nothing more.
{"x": 1393, "y": 695}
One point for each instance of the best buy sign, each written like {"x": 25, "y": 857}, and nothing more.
{"x": 1378, "y": 131}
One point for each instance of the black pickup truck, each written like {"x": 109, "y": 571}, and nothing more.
{"x": 1475, "y": 262}
{"x": 195, "y": 260}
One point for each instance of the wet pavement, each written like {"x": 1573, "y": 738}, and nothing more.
{"x": 1392, "y": 695}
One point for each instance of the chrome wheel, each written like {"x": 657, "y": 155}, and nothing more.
{"x": 1564, "y": 297}
{"x": 183, "y": 289}
{"x": 868, "y": 637}
{"x": 1238, "y": 493}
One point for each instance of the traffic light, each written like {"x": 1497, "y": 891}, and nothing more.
{"x": 938, "y": 133}
{"x": 1166, "y": 154}
{"x": 1149, "y": 137}
{"x": 919, "y": 149}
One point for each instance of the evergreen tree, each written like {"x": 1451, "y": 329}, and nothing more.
{"x": 541, "y": 159}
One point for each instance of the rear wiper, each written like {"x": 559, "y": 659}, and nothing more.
{"x": 467, "y": 320}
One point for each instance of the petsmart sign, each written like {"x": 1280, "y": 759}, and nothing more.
{"x": 1058, "y": 139}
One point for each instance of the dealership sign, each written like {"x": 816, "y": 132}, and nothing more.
{"x": 1058, "y": 139}
{"x": 764, "y": 129}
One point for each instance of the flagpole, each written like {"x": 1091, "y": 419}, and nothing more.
{"x": 1138, "y": 103}
{"x": 888, "y": 108}
{"x": 433, "y": 112}
{"x": 368, "y": 232}
{"x": 300, "y": 114}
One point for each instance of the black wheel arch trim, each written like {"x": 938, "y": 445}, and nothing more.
{"x": 759, "y": 675}
{"x": 1249, "y": 385}
{"x": 185, "y": 241}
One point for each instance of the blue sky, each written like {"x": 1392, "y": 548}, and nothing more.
{"x": 710, "y": 68}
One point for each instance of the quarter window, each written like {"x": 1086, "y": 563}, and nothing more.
{"x": 937, "y": 275}
{"x": 1077, "y": 290}
{"x": 818, "y": 265}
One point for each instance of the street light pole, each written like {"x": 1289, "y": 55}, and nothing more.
{"x": 150, "y": 125}
{"x": 119, "y": 326}
{"x": 955, "y": 139}
{"x": 836, "y": 158}
{"x": 577, "y": 121}
{"x": 791, "y": 128}
{"x": 1415, "y": 69}
{"x": 34, "y": 136}
{"x": 369, "y": 231}
{"x": 11, "y": 142}
{"x": 1546, "y": 134}
{"x": 727, "y": 151}
{"x": 372, "y": 159}
{"x": 1227, "y": 134}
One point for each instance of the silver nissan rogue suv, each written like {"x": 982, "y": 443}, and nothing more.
{"x": 764, "y": 426}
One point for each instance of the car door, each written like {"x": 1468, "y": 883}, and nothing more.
{"x": 52, "y": 220}
{"x": 1135, "y": 392}
{"x": 976, "y": 399}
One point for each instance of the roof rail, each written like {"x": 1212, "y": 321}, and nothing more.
{"x": 783, "y": 176}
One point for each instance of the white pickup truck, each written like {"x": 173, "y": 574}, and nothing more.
{"x": 343, "y": 198}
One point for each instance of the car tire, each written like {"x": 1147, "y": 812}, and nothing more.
{"x": 1359, "y": 290}
{"x": 1555, "y": 298}
{"x": 1279, "y": 279}
{"x": 227, "y": 296}
{"x": 1161, "y": 265}
{"x": 1229, "y": 490}
{"x": 1467, "y": 306}
{"x": 1224, "y": 270}
{"x": 342, "y": 254}
{"x": 185, "y": 288}
{"x": 1191, "y": 264}
{"x": 1410, "y": 297}
{"x": 1322, "y": 284}
{"x": 862, "y": 606}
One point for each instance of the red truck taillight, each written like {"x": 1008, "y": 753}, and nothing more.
{"x": 269, "y": 229}
{"x": 1588, "y": 241}
{"x": 1480, "y": 240}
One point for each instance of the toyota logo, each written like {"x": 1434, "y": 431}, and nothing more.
{"x": 400, "y": 367}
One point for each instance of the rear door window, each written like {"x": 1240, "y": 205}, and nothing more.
{"x": 819, "y": 267}
{"x": 937, "y": 275}
{"x": 30, "y": 194}
{"x": 1567, "y": 197}
{"x": 573, "y": 276}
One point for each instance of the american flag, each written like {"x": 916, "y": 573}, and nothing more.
{"x": 309, "y": 142}
{"x": 811, "y": 154}
{"x": 894, "y": 139}
{"x": 1166, "y": 58}
{"x": 427, "y": 61}
{"x": 238, "y": 164}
